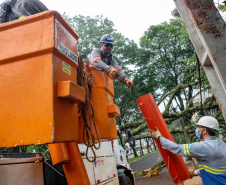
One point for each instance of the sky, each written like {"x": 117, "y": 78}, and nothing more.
{"x": 131, "y": 17}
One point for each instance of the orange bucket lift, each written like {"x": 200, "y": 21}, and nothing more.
{"x": 38, "y": 81}
{"x": 105, "y": 110}
{"x": 39, "y": 91}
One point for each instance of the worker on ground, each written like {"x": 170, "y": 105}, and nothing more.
{"x": 103, "y": 60}
{"x": 210, "y": 152}
{"x": 14, "y": 9}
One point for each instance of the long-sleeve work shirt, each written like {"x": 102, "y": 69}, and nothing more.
{"x": 210, "y": 155}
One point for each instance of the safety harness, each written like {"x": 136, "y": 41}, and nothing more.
{"x": 109, "y": 57}
{"x": 5, "y": 11}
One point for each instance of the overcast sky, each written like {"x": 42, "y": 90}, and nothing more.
{"x": 131, "y": 17}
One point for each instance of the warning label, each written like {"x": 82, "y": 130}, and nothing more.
{"x": 109, "y": 96}
{"x": 66, "y": 68}
{"x": 100, "y": 162}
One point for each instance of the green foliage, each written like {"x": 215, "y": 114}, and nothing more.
{"x": 165, "y": 59}
{"x": 90, "y": 31}
{"x": 222, "y": 7}
{"x": 166, "y": 48}
{"x": 37, "y": 148}
{"x": 179, "y": 138}
{"x": 126, "y": 100}
{"x": 26, "y": 149}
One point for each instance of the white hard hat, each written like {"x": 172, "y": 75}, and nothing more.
{"x": 209, "y": 122}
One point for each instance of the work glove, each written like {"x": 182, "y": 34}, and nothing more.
{"x": 129, "y": 84}
{"x": 193, "y": 173}
{"x": 113, "y": 72}
{"x": 155, "y": 134}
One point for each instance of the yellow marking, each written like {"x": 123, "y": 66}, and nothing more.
{"x": 185, "y": 151}
{"x": 211, "y": 170}
{"x": 188, "y": 150}
{"x": 21, "y": 17}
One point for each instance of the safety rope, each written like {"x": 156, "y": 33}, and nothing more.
{"x": 86, "y": 110}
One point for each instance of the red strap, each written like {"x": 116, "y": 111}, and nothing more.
{"x": 95, "y": 58}
{"x": 118, "y": 68}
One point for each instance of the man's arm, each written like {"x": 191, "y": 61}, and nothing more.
{"x": 191, "y": 150}
{"x": 122, "y": 77}
{"x": 197, "y": 150}
{"x": 171, "y": 146}
{"x": 95, "y": 58}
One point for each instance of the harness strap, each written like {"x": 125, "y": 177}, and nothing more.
{"x": 108, "y": 57}
{"x": 12, "y": 3}
{"x": 7, "y": 8}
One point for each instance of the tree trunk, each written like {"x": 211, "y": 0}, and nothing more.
{"x": 134, "y": 152}
{"x": 141, "y": 149}
{"x": 181, "y": 101}
{"x": 153, "y": 142}
{"x": 184, "y": 130}
{"x": 148, "y": 147}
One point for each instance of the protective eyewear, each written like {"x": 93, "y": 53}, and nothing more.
{"x": 108, "y": 45}
{"x": 198, "y": 126}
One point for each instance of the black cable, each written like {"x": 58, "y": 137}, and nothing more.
{"x": 200, "y": 86}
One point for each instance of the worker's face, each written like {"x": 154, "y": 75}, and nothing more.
{"x": 106, "y": 48}
{"x": 201, "y": 131}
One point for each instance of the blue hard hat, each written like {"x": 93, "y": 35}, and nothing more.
{"x": 107, "y": 39}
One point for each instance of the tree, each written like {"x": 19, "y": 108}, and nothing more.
{"x": 169, "y": 47}
{"x": 90, "y": 31}
{"x": 167, "y": 65}
{"x": 165, "y": 59}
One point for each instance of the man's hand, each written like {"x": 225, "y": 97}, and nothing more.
{"x": 129, "y": 84}
{"x": 193, "y": 173}
{"x": 155, "y": 134}
{"x": 113, "y": 72}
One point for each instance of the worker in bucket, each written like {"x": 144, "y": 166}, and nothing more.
{"x": 15, "y": 9}
{"x": 210, "y": 152}
{"x": 103, "y": 60}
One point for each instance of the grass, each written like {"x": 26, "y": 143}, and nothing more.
{"x": 136, "y": 158}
